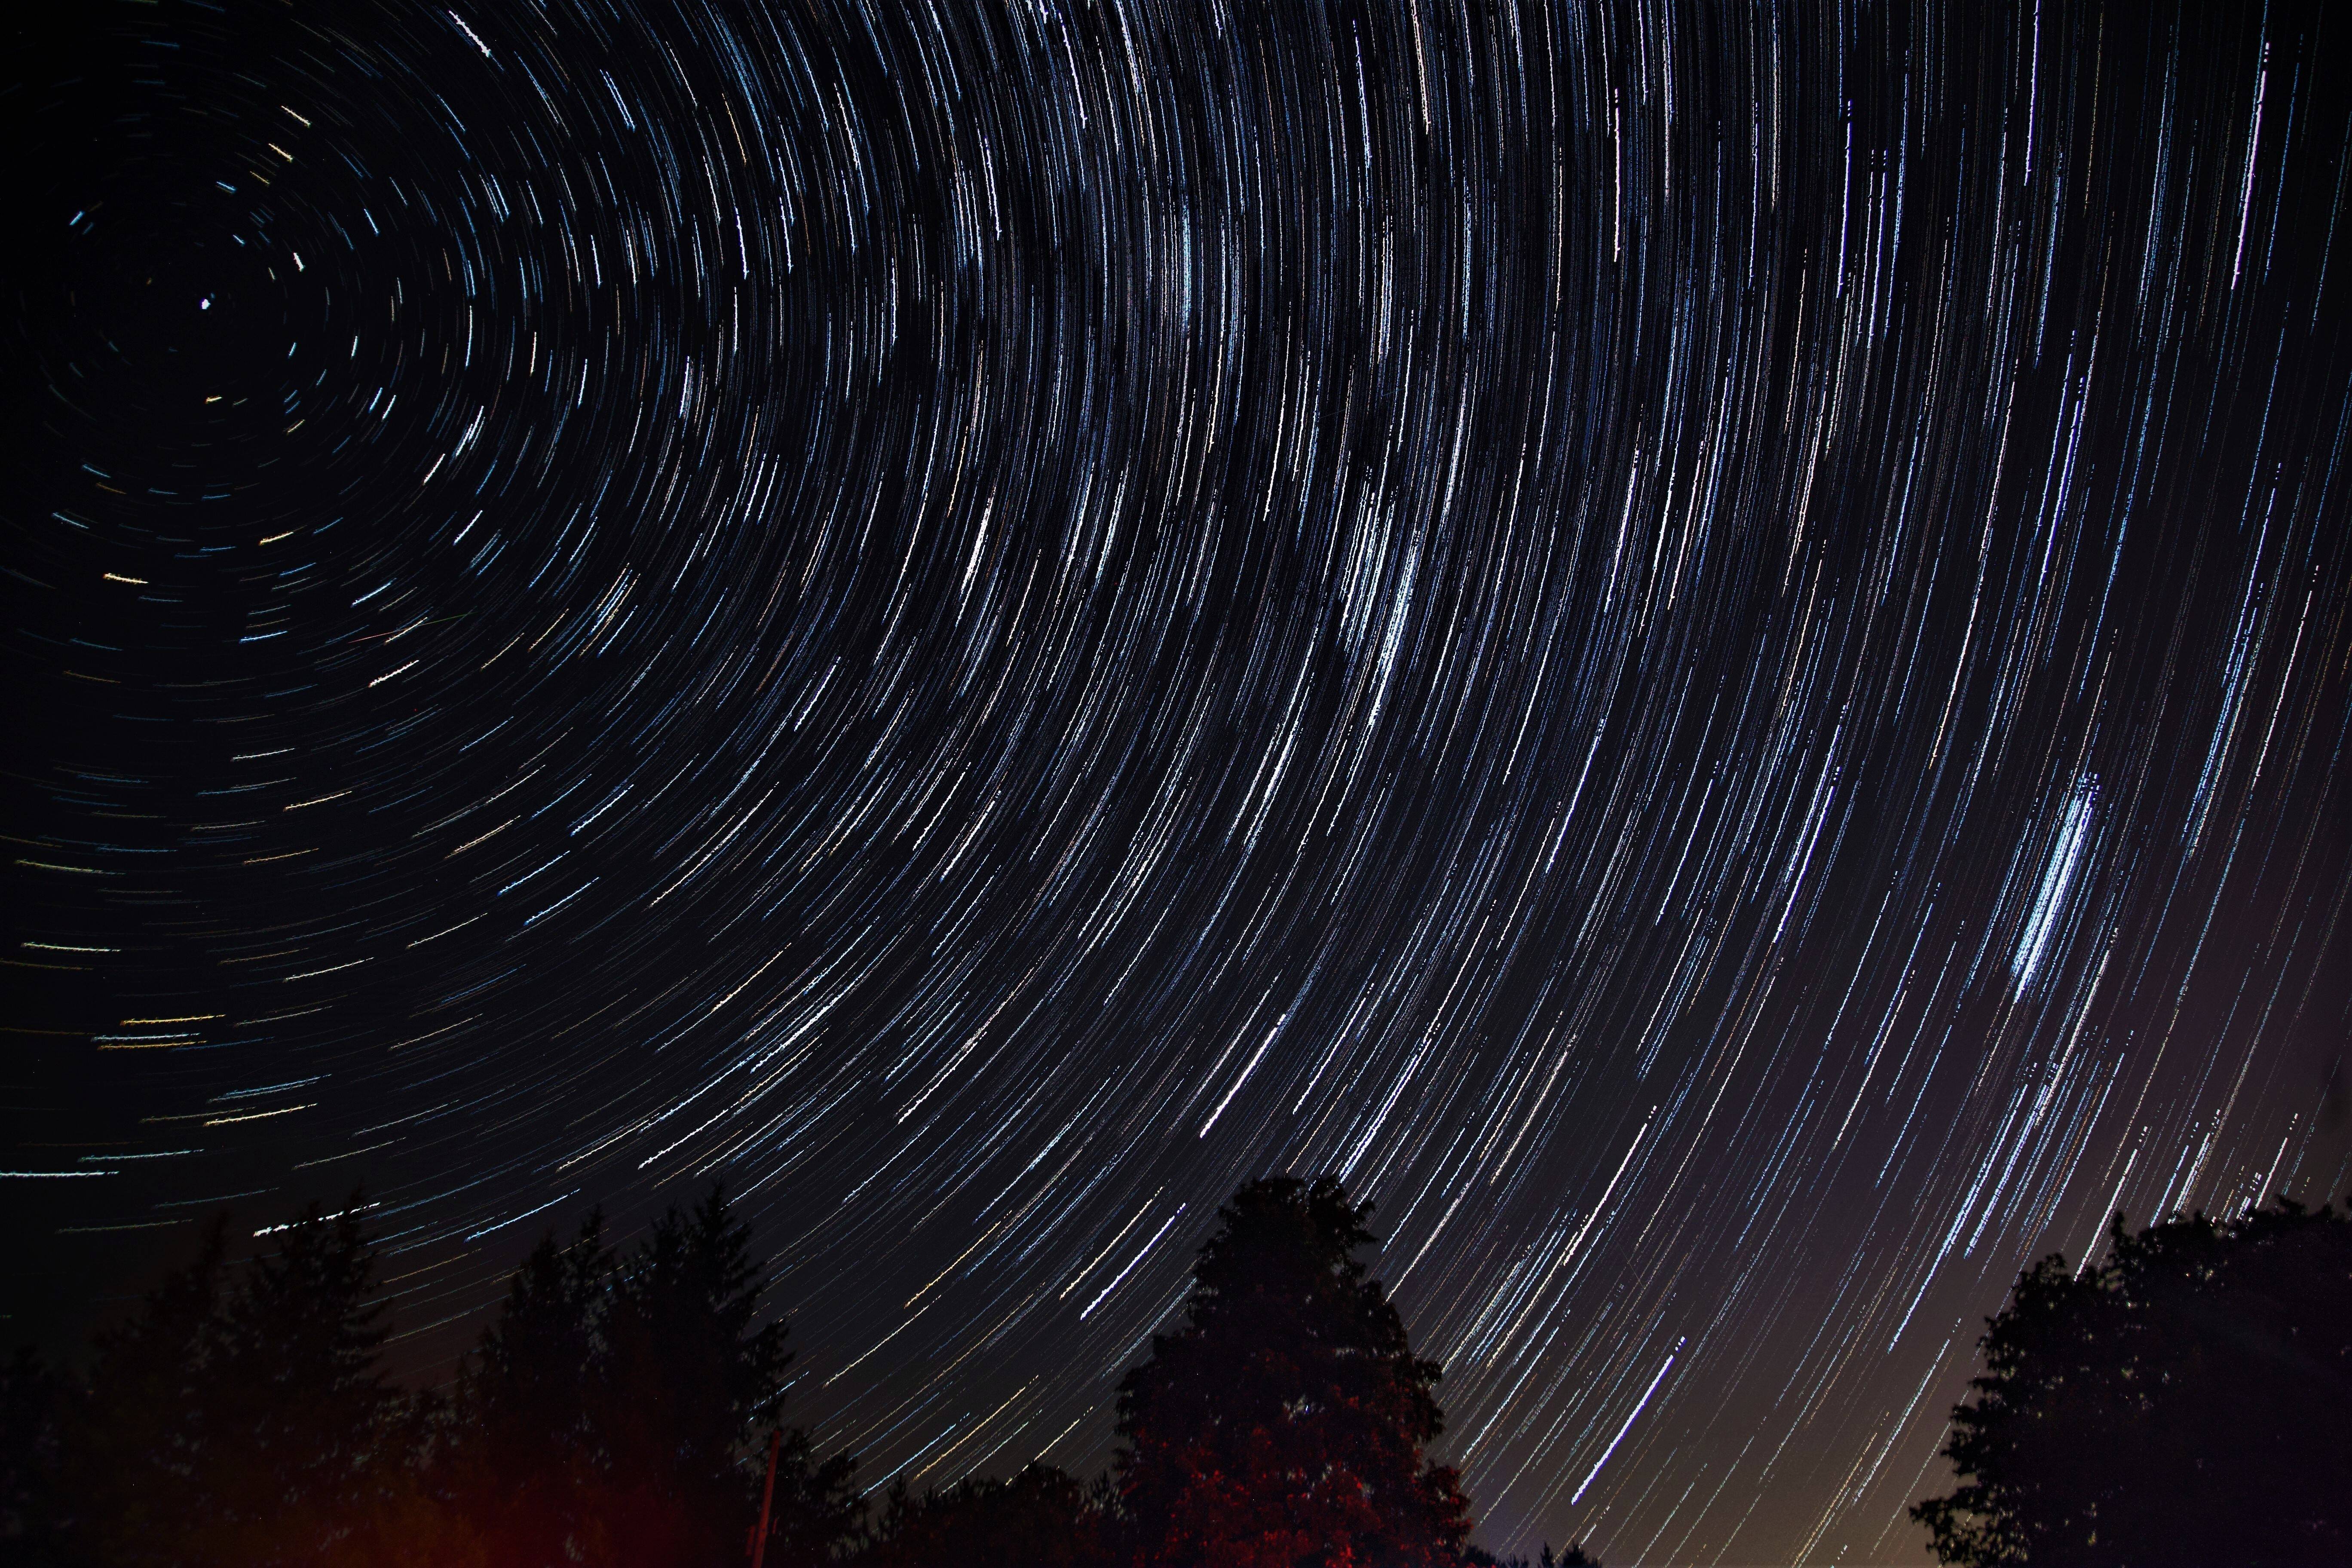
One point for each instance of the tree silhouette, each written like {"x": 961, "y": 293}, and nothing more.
{"x": 1576, "y": 1558}
{"x": 2182, "y": 1403}
{"x": 819, "y": 1514}
{"x": 239, "y": 1420}
{"x": 617, "y": 1410}
{"x": 520, "y": 1459}
{"x": 32, "y": 1398}
{"x": 1040, "y": 1518}
{"x": 687, "y": 1375}
{"x": 136, "y": 1437}
{"x": 1284, "y": 1424}
{"x": 322, "y": 1424}
{"x": 622, "y": 1411}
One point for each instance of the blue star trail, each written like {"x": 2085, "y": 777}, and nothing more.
{"x": 1705, "y": 647}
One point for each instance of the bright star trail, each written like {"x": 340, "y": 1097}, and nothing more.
{"x": 1704, "y": 649}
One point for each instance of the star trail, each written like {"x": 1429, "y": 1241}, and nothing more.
{"x": 1705, "y": 647}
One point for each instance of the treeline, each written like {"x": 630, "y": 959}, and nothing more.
{"x": 625, "y": 1409}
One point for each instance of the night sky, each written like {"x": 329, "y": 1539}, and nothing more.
{"x": 1704, "y": 649}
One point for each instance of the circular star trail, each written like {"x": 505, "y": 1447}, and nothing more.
{"x": 1705, "y": 647}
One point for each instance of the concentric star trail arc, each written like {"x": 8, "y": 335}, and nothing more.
{"x": 1704, "y": 647}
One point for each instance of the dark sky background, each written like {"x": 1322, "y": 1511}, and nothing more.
{"x": 1706, "y": 649}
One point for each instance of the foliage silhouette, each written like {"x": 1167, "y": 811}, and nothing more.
{"x": 614, "y": 1412}
{"x": 619, "y": 1410}
{"x": 32, "y": 1394}
{"x": 1284, "y": 1424}
{"x": 1040, "y": 1518}
{"x": 1576, "y": 1558}
{"x": 2183, "y": 1402}
{"x": 237, "y": 1420}
{"x": 686, "y": 1376}
{"x": 518, "y": 1458}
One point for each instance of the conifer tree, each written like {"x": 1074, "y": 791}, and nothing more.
{"x": 617, "y": 1410}
{"x": 138, "y": 1441}
{"x": 241, "y": 1417}
{"x": 1284, "y": 1426}
{"x": 520, "y": 1460}
{"x": 687, "y": 1376}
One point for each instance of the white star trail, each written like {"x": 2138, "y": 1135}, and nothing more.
{"x": 1707, "y": 647}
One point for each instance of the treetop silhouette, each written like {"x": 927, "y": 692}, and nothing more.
{"x": 622, "y": 1409}
{"x": 2182, "y": 1402}
{"x": 1285, "y": 1423}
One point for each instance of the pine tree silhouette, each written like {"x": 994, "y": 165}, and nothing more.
{"x": 520, "y": 1460}
{"x": 240, "y": 1416}
{"x": 1286, "y": 1424}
